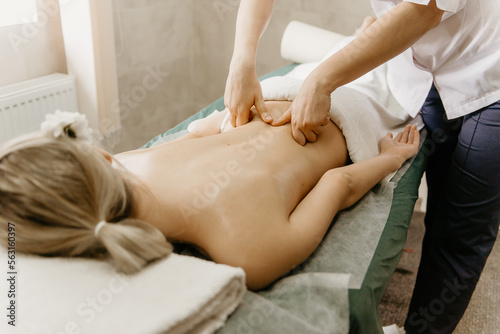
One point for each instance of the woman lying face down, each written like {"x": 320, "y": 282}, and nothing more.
{"x": 249, "y": 197}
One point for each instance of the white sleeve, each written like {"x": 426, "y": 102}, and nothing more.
{"x": 449, "y": 6}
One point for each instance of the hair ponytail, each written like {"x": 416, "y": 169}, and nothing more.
{"x": 132, "y": 244}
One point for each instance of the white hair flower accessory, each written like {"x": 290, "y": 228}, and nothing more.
{"x": 71, "y": 124}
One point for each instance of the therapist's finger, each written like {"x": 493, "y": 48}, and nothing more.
{"x": 311, "y": 136}
{"x": 243, "y": 117}
{"x": 285, "y": 118}
{"x": 299, "y": 136}
{"x": 261, "y": 107}
{"x": 232, "y": 118}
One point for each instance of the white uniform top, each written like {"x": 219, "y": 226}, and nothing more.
{"x": 461, "y": 56}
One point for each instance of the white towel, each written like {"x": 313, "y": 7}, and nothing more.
{"x": 179, "y": 294}
{"x": 364, "y": 110}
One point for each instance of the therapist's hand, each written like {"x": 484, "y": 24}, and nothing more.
{"x": 243, "y": 91}
{"x": 309, "y": 111}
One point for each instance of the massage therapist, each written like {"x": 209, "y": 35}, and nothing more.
{"x": 448, "y": 69}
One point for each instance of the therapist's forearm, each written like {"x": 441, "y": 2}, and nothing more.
{"x": 253, "y": 17}
{"x": 387, "y": 37}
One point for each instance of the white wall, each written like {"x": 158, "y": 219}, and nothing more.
{"x": 154, "y": 53}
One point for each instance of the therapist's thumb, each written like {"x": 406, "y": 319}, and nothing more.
{"x": 261, "y": 107}
{"x": 285, "y": 118}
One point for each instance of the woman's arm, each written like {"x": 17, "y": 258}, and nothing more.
{"x": 388, "y": 36}
{"x": 341, "y": 187}
{"x": 253, "y": 17}
{"x": 242, "y": 87}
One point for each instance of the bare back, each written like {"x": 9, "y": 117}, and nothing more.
{"x": 234, "y": 188}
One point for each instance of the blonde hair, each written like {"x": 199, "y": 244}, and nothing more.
{"x": 56, "y": 191}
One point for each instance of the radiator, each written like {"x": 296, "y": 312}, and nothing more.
{"x": 23, "y": 105}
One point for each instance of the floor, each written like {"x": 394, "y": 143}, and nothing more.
{"x": 483, "y": 314}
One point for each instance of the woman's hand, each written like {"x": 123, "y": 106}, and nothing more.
{"x": 404, "y": 146}
{"x": 309, "y": 111}
{"x": 243, "y": 91}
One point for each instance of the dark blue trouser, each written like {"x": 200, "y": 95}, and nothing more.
{"x": 463, "y": 213}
